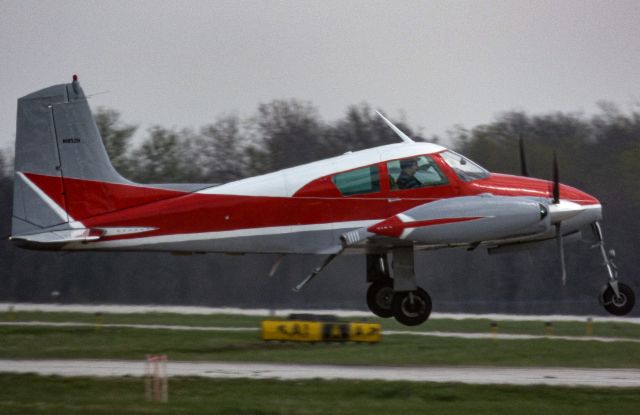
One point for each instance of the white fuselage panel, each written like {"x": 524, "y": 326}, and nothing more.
{"x": 285, "y": 183}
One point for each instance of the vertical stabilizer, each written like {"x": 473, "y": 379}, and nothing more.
{"x": 56, "y": 139}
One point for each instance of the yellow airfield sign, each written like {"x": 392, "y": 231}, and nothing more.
{"x": 320, "y": 331}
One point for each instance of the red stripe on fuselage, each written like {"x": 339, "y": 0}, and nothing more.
{"x": 196, "y": 213}
{"x": 442, "y": 221}
{"x": 394, "y": 226}
{"x": 86, "y": 198}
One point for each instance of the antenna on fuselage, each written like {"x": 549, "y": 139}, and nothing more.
{"x": 396, "y": 130}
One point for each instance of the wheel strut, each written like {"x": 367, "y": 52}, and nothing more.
{"x": 617, "y": 298}
{"x": 608, "y": 260}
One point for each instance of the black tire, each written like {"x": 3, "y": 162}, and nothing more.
{"x": 408, "y": 313}
{"x": 379, "y": 298}
{"x": 619, "y": 306}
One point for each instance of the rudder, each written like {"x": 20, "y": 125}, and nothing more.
{"x": 56, "y": 138}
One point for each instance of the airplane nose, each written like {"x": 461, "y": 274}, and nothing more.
{"x": 575, "y": 202}
{"x": 577, "y": 196}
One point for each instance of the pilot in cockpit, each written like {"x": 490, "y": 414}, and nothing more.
{"x": 407, "y": 179}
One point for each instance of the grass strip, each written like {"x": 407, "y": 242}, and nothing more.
{"x": 29, "y": 394}
{"x": 123, "y": 343}
{"x": 597, "y": 328}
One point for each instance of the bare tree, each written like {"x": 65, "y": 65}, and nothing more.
{"x": 116, "y": 136}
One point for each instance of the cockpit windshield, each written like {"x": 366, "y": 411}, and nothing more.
{"x": 466, "y": 169}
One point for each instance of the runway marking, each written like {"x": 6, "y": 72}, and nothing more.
{"x": 195, "y": 310}
{"x": 511, "y": 336}
{"x": 470, "y": 375}
{"x": 474, "y": 336}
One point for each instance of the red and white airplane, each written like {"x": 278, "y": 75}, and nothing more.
{"x": 385, "y": 202}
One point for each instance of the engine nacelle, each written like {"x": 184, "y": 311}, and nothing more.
{"x": 468, "y": 219}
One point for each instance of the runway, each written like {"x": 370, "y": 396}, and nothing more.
{"x": 469, "y": 375}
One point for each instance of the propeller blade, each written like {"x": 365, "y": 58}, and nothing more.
{"x": 556, "y": 180}
{"x": 523, "y": 159}
{"x": 560, "y": 244}
{"x": 556, "y": 201}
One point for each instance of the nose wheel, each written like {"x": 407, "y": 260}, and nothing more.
{"x": 618, "y": 304}
{"x": 617, "y": 298}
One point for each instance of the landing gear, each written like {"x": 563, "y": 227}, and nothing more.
{"x": 618, "y": 304}
{"x": 411, "y": 308}
{"x": 398, "y": 297}
{"x": 379, "y": 297}
{"x": 408, "y": 307}
{"x": 617, "y": 298}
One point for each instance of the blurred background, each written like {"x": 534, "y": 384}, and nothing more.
{"x": 211, "y": 92}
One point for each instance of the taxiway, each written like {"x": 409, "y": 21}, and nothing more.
{"x": 469, "y": 375}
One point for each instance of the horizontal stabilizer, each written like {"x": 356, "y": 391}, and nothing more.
{"x": 60, "y": 237}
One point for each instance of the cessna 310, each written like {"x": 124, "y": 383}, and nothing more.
{"x": 385, "y": 202}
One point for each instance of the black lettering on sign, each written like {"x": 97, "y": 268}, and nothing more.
{"x": 373, "y": 331}
{"x": 73, "y": 140}
{"x": 335, "y": 331}
{"x": 294, "y": 330}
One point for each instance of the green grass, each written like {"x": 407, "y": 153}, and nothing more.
{"x": 599, "y": 328}
{"x": 129, "y": 343}
{"x": 125, "y": 343}
{"x": 29, "y": 394}
{"x": 229, "y": 320}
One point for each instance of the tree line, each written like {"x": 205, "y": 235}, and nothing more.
{"x": 280, "y": 134}
{"x": 597, "y": 153}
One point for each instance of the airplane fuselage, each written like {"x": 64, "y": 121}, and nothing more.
{"x": 297, "y": 210}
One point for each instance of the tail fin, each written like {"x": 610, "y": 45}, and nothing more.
{"x": 62, "y": 171}
{"x": 56, "y": 139}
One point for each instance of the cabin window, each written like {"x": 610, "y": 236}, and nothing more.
{"x": 414, "y": 172}
{"x": 359, "y": 181}
{"x": 466, "y": 169}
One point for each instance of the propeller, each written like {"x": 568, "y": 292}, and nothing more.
{"x": 560, "y": 244}
{"x": 523, "y": 159}
{"x": 556, "y": 180}
{"x": 556, "y": 200}
{"x": 555, "y": 192}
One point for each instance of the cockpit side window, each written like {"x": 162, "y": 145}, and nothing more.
{"x": 359, "y": 181}
{"x": 466, "y": 169}
{"x": 414, "y": 172}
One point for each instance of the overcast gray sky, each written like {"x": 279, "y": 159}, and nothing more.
{"x": 440, "y": 63}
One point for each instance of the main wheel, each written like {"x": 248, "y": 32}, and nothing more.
{"x": 411, "y": 307}
{"x": 620, "y": 305}
{"x": 379, "y": 297}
